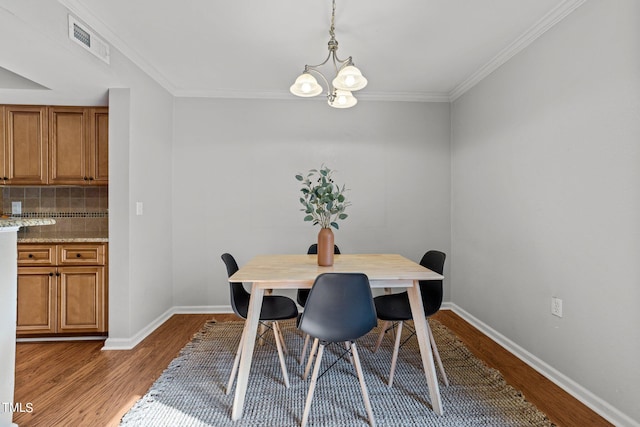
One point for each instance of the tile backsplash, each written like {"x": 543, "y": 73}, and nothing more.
{"x": 78, "y": 211}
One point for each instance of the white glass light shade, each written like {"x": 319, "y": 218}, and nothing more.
{"x": 306, "y": 86}
{"x": 343, "y": 99}
{"x": 349, "y": 78}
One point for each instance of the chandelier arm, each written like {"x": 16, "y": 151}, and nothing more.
{"x": 326, "y": 82}
{"x": 320, "y": 64}
{"x": 343, "y": 62}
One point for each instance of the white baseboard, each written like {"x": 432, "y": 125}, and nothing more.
{"x": 129, "y": 343}
{"x": 604, "y": 409}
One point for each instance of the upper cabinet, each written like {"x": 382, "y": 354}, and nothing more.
{"x": 78, "y": 146}
{"x": 54, "y": 145}
{"x": 99, "y": 143}
{"x": 23, "y": 145}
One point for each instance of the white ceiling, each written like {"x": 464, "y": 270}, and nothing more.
{"x": 417, "y": 50}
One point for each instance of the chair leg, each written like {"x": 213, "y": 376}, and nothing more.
{"x": 314, "y": 348}
{"x": 385, "y": 326}
{"x": 304, "y": 348}
{"x": 363, "y": 385}
{"x": 312, "y": 386}
{"x": 236, "y": 362}
{"x": 436, "y": 354}
{"x": 283, "y": 366}
{"x": 394, "y": 358}
{"x": 284, "y": 345}
{"x": 347, "y": 345}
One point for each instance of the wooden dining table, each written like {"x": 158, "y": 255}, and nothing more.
{"x": 300, "y": 271}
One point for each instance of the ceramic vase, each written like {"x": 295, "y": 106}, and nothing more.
{"x": 325, "y": 247}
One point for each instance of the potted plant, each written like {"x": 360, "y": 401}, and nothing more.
{"x": 324, "y": 204}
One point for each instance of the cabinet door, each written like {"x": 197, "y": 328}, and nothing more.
{"x": 99, "y": 146}
{"x": 25, "y": 145}
{"x": 81, "y": 294}
{"x": 36, "y": 301}
{"x": 68, "y": 145}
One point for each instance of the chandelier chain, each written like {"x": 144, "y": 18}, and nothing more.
{"x": 333, "y": 22}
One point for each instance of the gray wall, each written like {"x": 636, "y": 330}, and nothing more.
{"x": 234, "y": 186}
{"x": 546, "y": 200}
{"x": 537, "y": 195}
{"x": 140, "y": 133}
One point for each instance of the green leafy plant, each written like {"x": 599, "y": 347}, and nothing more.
{"x": 324, "y": 201}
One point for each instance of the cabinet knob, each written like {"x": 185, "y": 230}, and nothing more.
{"x": 30, "y": 255}
{"x": 90, "y": 178}
{"x": 85, "y": 178}
{"x": 78, "y": 256}
{"x": 57, "y": 274}
{"x": 50, "y": 274}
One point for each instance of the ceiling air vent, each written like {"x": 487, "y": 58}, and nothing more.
{"x": 82, "y": 35}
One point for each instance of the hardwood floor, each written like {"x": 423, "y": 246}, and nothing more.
{"x": 561, "y": 408}
{"x": 77, "y": 384}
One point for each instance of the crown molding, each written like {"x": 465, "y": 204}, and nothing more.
{"x": 405, "y": 96}
{"x": 539, "y": 28}
{"x": 286, "y": 95}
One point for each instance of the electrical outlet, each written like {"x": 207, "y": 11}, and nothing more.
{"x": 16, "y": 208}
{"x": 556, "y": 306}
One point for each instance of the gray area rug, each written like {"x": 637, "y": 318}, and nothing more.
{"x": 191, "y": 391}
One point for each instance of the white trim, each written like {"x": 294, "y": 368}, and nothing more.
{"x": 596, "y": 404}
{"x": 286, "y": 95}
{"x": 554, "y": 16}
{"x": 58, "y": 339}
{"x": 129, "y": 343}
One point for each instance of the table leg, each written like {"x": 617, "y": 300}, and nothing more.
{"x": 420, "y": 324}
{"x": 250, "y": 328}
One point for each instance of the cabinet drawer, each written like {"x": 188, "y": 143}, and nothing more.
{"x": 81, "y": 254}
{"x": 36, "y": 255}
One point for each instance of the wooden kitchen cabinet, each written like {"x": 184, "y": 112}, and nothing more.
{"x": 99, "y": 144}
{"x": 78, "y": 146}
{"x": 24, "y": 145}
{"x": 37, "y": 301}
{"x": 68, "y": 296}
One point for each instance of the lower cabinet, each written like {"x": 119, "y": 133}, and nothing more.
{"x": 62, "y": 289}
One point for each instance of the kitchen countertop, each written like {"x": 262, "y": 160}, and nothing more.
{"x": 25, "y": 222}
{"x": 62, "y": 239}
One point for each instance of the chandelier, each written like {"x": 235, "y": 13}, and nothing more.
{"x": 347, "y": 77}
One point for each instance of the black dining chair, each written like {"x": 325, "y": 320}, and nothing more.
{"x": 274, "y": 308}
{"x": 339, "y": 309}
{"x": 303, "y": 294}
{"x": 394, "y": 309}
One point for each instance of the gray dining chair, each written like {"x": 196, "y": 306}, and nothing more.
{"x": 274, "y": 308}
{"x": 394, "y": 309}
{"x": 303, "y": 294}
{"x": 339, "y": 309}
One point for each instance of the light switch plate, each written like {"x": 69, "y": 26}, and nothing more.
{"x": 139, "y": 208}
{"x": 16, "y": 208}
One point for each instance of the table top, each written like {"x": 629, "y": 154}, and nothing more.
{"x": 301, "y": 269}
